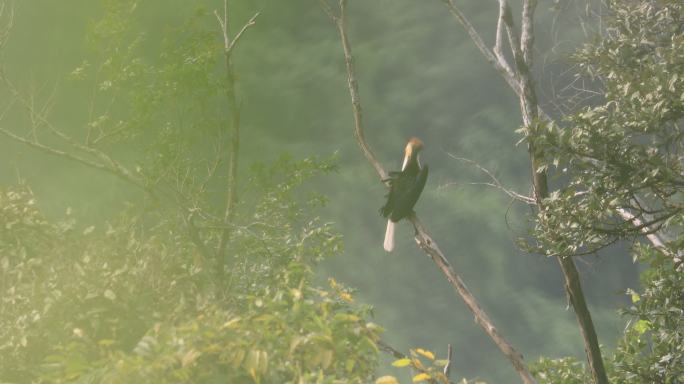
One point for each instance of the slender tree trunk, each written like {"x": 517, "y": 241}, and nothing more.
{"x": 234, "y": 129}
{"x": 528, "y": 107}
{"x": 518, "y": 76}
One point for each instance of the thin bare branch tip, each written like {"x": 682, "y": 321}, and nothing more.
{"x": 447, "y": 367}
{"x": 328, "y": 10}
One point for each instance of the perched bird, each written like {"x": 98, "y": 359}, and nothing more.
{"x": 405, "y": 188}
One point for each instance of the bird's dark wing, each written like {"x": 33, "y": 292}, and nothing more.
{"x": 405, "y": 191}
{"x": 386, "y": 209}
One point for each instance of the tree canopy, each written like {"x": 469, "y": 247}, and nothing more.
{"x": 176, "y": 180}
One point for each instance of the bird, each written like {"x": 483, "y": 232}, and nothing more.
{"x": 405, "y": 188}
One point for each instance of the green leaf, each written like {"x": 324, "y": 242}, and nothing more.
{"x": 642, "y": 326}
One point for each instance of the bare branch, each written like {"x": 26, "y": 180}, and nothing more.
{"x": 92, "y": 164}
{"x": 486, "y": 52}
{"x": 475, "y": 37}
{"x": 504, "y": 12}
{"x": 340, "y": 22}
{"x": 447, "y": 367}
{"x": 328, "y": 10}
{"x": 427, "y": 244}
{"x": 495, "y": 182}
{"x": 39, "y": 118}
{"x": 237, "y": 37}
{"x": 423, "y": 239}
{"x": 9, "y": 23}
{"x": 652, "y": 236}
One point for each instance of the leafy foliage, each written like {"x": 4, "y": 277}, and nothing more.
{"x": 652, "y": 350}
{"x": 560, "y": 371}
{"x": 623, "y": 159}
{"x": 623, "y": 155}
{"x": 147, "y": 296}
{"x": 136, "y": 302}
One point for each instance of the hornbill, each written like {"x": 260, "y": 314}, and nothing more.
{"x": 405, "y": 188}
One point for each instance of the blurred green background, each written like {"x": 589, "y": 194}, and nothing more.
{"x": 419, "y": 75}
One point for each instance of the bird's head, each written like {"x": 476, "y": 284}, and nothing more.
{"x": 412, "y": 150}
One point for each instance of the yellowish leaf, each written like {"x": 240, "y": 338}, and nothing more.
{"x": 346, "y": 297}
{"x": 326, "y": 358}
{"x": 642, "y": 326}
{"x": 238, "y": 357}
{"x": 425, "y": 353}
{"x": 232, "y": 323}
{"x": 401, "y": 362}
{"x": 106, "y": 342}
{"x": 386, "y": 380}
{"x": 190, "y": 357}
{"x": 420, "y": 377}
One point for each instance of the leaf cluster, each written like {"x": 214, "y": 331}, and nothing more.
{"x": 622, "y": 157}
{"x": 136, "y": 301}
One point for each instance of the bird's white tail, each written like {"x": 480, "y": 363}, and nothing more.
{"x": 389, "y": 236}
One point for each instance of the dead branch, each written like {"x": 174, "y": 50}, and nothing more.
{"x": 447, "y": 367}
{"x": 504, "y": 12}
{"x": 495, "y": 181}
{"x": 39, "y": 118}
{"x": 486, "y": 52}
{"x": 340, "y": 22}
{"x": 89, "y": 163}
{"x": 8, "y": 23}
{"x": 425, "y": 242}
{"x": 654, "y": 237}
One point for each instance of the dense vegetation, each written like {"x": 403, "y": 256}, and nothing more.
{"x": 150, "y": 273}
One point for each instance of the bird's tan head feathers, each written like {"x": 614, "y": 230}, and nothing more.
{"x": 411, "y": 151}
{"x": 414, "y": 145}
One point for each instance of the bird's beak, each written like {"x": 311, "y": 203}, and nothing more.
{"x": 407, "y": 156}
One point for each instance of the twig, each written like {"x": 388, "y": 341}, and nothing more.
{"x": 39, "y": 117}
{"x": 398, "y": 355}
{"x": 447, "y": 367}
{"x": 653, "y": 237}
{"x": 237, "y": 37}
{"x": 5, "y": 30}
{"x": 423, "y": 239}
{"x": 78, "y": 159}
{"x": 495, "y": 182}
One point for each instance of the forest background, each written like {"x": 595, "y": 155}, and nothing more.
{"x": 160, "y": 97}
